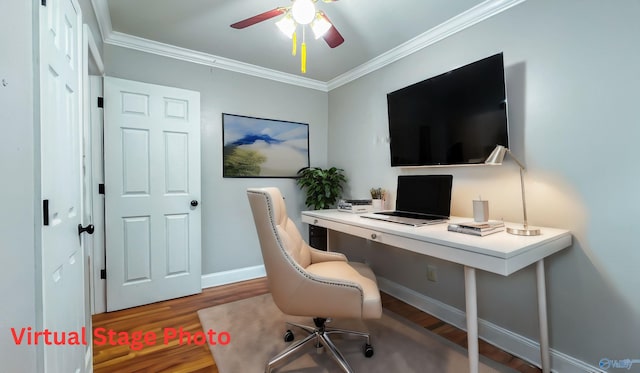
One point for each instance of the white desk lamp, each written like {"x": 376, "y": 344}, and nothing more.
{"x": 494, "y": 159}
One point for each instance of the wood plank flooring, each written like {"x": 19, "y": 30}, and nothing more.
{"x": 181, "y": 313}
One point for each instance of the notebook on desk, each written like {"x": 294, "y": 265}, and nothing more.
{"x": 420, "y": 200}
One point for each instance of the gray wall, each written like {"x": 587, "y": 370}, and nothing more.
{"x": 573, "y": 78}
{"x": 18, "y": 214}
{"x": 229, "y": 240}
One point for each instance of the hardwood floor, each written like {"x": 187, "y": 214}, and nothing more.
{"x": 156, "y": 356}
{"x": 172, "y": 357}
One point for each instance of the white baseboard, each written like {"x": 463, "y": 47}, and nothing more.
{"x": 234, "y": 275}
{"x": 513, "y": 343}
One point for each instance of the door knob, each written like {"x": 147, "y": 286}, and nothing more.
{"x": 89, "y": 229}
{"x": 194, "y": 203}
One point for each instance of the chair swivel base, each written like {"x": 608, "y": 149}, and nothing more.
{"x": 320, "y": 335}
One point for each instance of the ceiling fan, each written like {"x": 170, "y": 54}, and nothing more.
{"x": 301, "y": 12}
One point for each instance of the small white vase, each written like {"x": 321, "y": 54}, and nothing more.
{"x": 378, "y": 204}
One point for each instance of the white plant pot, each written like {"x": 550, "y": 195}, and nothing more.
{"x": 378, "y": 204}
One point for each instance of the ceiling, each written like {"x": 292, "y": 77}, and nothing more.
{"x": 198, "y": 30}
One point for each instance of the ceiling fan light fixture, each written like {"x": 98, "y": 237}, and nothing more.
{"x": 287, "y": 25}
{"x": 303, "y": 11}
{"x": 320, "y": 25}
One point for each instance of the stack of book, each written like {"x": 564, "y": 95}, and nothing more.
{"x": 355, "y": 206}
{"x": 477, "y": 228}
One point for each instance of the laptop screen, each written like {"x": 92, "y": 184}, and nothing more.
{"x": 425, "y": 194}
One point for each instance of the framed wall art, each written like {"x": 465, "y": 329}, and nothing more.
{"x": 257, "y": 147}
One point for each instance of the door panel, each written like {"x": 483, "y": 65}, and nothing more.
{"x": 152, "y": 173}
{"x": 176, "y": 163}
{"x": 177, "y": 230}
{"x": 136, "y": 162}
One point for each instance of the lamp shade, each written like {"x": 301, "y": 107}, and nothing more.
{"x": 497, "y": 156}
{"x": 320, "y": 25}
{"x": 287, "y": 25}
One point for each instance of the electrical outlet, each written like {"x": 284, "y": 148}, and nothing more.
{"x": 432, "y": 273}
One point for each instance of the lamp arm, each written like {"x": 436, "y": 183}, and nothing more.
{"x": 515, "y": 158}
{"x": 524, "y": 204}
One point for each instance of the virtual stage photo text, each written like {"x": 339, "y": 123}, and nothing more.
{"x": 136, "y": 340}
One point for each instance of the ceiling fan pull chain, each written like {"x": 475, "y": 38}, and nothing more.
{"x": 303, "y": 56}
{"x": 303, "y": 68}
{"x": 294, "y": 44}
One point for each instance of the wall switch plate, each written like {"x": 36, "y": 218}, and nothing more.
{"x": 432, "y": 273}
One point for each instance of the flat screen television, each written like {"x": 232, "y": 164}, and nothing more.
{"x": 455, "y": 118}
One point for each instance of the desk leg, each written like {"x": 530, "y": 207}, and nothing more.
{"x": 328, "y": 239}
{"x": 542, "y": 316}
{"x": 472, "y": 317}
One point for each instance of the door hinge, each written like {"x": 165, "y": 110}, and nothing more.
{"x": 100, "y": 99}
{"x": 44, "y": 2}
{"x": 100, "y": 188}
{"x": 45, "y": 211}
{"x": 103, "y": 274}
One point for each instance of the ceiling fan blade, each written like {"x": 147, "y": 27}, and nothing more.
{"x": 259, "y": 18}
{"x": 332, "y": 36}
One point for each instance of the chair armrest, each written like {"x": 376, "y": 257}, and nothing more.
{"x": 319, "y": 256}
{"x": 319, "y": 296}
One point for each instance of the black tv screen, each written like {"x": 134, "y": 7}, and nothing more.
{"x": 451, "y": 119}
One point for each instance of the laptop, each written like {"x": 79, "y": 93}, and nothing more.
{"x": 420, "y": 200}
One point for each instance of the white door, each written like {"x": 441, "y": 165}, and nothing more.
{"x": 63, "y": 303}
{"x": 152, "y": 190}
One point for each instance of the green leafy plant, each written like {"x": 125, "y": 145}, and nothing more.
{"x": 323, "y": 186}
{"x": 377, "y": 193}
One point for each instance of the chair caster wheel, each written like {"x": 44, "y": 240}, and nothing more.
{"x": 368, "y": 350}
{"x": 288, "y": 336}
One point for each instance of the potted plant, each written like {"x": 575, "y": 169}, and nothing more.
{"x": 323, "y": 186}
{"x": 377, "y": 198}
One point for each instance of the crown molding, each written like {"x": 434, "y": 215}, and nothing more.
{"x": 456, "y": 24}
{"x": 188, "y": 55}
{"x": 101, "y": 10}
{"x": 477, "y": 14}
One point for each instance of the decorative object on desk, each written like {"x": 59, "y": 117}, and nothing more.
{"x": 323, "y": 186}
{"x": 495, "y": 158}
{"x": 378, "y": 197}
{"x": 480, "y": 210}
{"x": 255, "y": 147}
{"x": 477, "y": 228}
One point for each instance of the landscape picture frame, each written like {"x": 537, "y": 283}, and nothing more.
{"x": 263, "y": 148}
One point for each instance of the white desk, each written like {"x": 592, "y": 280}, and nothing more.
{"x": 500, "y": 253}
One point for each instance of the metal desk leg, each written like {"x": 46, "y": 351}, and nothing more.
{"x": 542, "y": 316}
{"x": 472, "y": 317}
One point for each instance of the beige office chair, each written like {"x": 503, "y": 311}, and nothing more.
{"x": 308, "y": 282}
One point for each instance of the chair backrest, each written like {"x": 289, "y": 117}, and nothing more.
{"x": 284, "y": 252}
